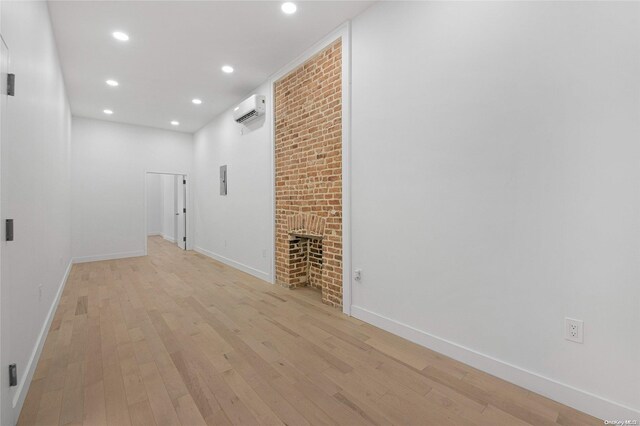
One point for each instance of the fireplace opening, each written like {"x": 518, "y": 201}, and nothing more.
{"x": 305, "y": 261}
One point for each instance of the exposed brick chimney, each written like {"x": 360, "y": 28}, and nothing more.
{"x": 308, "y": 145}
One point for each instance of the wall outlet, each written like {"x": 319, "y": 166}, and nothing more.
{"x": 225, "y": 243}
{"x": 357, "y": 274}
{"x": 574, "y": 330}
{"x": 264, "y": 253}
{"x": 40, "y": 293}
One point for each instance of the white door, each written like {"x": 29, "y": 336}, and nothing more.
{"x": 7, "y": 416}
{"x": 181, "y": 212}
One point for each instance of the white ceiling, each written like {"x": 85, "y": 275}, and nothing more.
{"x": 175, "y": 52}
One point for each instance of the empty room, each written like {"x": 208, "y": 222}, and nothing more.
{"x": 319, "y": 213}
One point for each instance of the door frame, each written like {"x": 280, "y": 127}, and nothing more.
{"x": 6, "y": 393}
{"x": 188, "y": 216}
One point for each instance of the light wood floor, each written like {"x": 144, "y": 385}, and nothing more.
{"x": 177, "y": 338}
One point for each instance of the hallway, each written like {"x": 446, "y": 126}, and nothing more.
{"x": 177, "y": 338}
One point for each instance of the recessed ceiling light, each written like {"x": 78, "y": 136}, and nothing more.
{"x": 108, "y": 111}
{"x": 175, "y": 123}
{"x": 112, "y": 83}
{"x": 119, "y": 35}
{"x": 227, "y": 68}
{"x": 196, "y": 101}
{"x": 289, "y": 8}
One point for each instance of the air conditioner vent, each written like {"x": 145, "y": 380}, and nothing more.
{"x": 250, "y": 109}
{"x": 247, "y": 117}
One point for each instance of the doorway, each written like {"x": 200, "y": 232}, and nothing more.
{"x": 166, "y": 207}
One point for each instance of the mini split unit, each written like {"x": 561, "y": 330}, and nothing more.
{"x": 249, "y": 109}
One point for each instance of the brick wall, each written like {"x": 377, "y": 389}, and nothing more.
{"x": 308, "y": 145}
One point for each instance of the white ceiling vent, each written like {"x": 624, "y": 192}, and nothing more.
{"x": 250, "y": 109}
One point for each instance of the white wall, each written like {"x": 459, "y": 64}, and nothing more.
{"x": 155, "y": 204}
{"x": 495, "y": 187}
{"x": 161, "y": 205}
{"x": 109, "y": 161}
{"x": 35, "y": 193}
{"x": 236, "y": 228}
{"x": 168, "y": 207}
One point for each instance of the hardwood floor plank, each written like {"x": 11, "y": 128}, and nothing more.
{"x": 258, "y": 407}
{"x": 95, "y": 411}
{"x": 281, "y": 406}
{"x": 141, "y": 414}
{"x": 29, "y": 413}
{"x": 115, "y": 403}
{"x": 188, "y": 412}
{"x": 159, "y": 400}
{"x": 72, "y": 411}
{"x": 49, "y": 408}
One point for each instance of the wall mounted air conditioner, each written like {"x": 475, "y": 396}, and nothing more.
{"x": 250, "y": 109}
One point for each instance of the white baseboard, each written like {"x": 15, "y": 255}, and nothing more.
{"x": 581, "y": 400}
{"x": 153, "y": 234}
{"x": 168, "y": 238}
{"x": 112, "y": 256}
{"x": 25, "y": 382}
{"x": 244, "y": 268}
